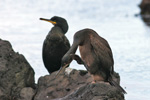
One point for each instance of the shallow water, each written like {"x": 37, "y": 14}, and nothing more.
{"x": 128, "y": 36}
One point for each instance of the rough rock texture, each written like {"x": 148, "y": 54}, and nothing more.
{"x": 50, "y": 88}
{"x": 145, "y": 11}
{"x": 15, "y": 72}
{"x": 80, "y": 81}
{"x": 27, "y": 93}
{"x": 97, "y": 91}
{"x": 145, "y": 7}
{"x": 17, "y": 82}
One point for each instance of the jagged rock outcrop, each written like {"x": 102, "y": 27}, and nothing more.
{"x": 75, "y": 85}
{"x": 17, "y": 82}
{"x": 96, "y": 91}
{"x": 50, "y": 88}
{"x": 15, "y": 72}
{"x": 145, "y": 7}
{"x": 145, "y": 11}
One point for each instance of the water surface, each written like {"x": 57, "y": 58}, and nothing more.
{"x": 128, "y": 36}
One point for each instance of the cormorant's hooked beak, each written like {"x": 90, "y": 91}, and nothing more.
{"x": 62, "y": 69}
{"x": 48, "y": 20}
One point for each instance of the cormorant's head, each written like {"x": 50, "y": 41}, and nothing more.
{"x": 66, "y": 60}
{"x": 58, "y": 21}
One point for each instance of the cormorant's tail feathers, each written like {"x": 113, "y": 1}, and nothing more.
{"x": 113, "y": 83}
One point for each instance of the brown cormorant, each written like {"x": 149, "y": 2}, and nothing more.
{"x": 56, "y": 44}
{"x": 96, "y": 55}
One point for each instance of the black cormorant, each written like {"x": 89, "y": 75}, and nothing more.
{"x": 56, "y": 44}
{"x": 96, "y": 55}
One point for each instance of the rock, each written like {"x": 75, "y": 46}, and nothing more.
{"x": 145, "y": 7}
{"x": 145, "y": 11}
{"x": 50, "y": 88}
{"x": 77, "y": 82}
{"x": 97, "y": 91}
{"x": 17, "y": 82}
{"x": 27, "y": 93}
{"x": 15, "y": 72}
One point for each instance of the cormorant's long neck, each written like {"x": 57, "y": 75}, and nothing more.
{"x": 73, "y": 48}
{"x": 56, "y": 30}
{"x": 64, "y": 27}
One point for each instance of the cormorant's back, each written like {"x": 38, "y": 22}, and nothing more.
{"x": 54, "y": 47}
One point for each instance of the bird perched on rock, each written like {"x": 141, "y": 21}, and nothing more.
{"x": 56, "y": 44}
{"x": 96, "y": 55}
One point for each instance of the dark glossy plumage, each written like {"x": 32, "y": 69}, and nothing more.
{"x": 56, "y": 44}
{"x": 96, "y": 54}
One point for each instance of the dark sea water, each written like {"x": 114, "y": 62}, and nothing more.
{"x": 115, "y": 20}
